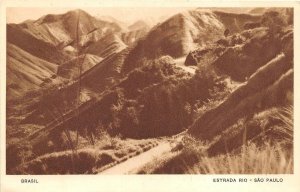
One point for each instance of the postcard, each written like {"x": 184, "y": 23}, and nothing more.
{"x": 149, "y": 96}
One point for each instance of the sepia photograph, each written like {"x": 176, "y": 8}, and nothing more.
{"x": 149, "y": 90}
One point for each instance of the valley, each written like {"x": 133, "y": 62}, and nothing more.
{"x": 188, "y": 95}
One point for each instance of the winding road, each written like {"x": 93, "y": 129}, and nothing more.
{"x": 135, "y": 163}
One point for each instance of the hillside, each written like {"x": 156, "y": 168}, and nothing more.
{"x": 71, "y": 69}
{"x": 185, "y": 32}
{"x": 117, "y": 110}
{"x": 93, "y": 82}
{"x": 44, "y": 50}
{"x": 249, "y": 98}
{"x": 106, "y": 46}
{"x": 268, "y": 90}
{"x": 57, "y": 35}
{"x": 52, "y": 39}
{"x": 239, "y": 56}
{"x": 26, "y": 72}
{"x": 235, "y": 22}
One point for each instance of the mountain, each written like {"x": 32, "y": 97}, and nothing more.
{"x": 135, "y": 31}
{"x": 100, "y": 58}
{"x": 107, "y": 57}
{"x": 61, "y": 30}
{"x": 185, "y": 32}
{"x": 57, "y": 34}
{"x": 140, "y": 24}
{"x": 52, "y": 38}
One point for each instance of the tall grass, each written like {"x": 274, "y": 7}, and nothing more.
{"x": 252, "y": 160}
{"x": 269, "y": 157}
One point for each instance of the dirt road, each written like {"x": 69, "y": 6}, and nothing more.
{"x": 135, "y": 163}
{"x": 138, "y": 161}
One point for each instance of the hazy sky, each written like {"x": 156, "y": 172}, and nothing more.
{"x": 129, "y": 15}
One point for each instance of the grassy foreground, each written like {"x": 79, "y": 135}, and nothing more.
{"x": 251, "y": 160}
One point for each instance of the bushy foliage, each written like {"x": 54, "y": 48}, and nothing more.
{"x": 160, "y": 99}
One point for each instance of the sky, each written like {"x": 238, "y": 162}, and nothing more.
{"x": 126, "y": 14}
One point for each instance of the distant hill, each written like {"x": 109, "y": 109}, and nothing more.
{"x": 140, "y": 24}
